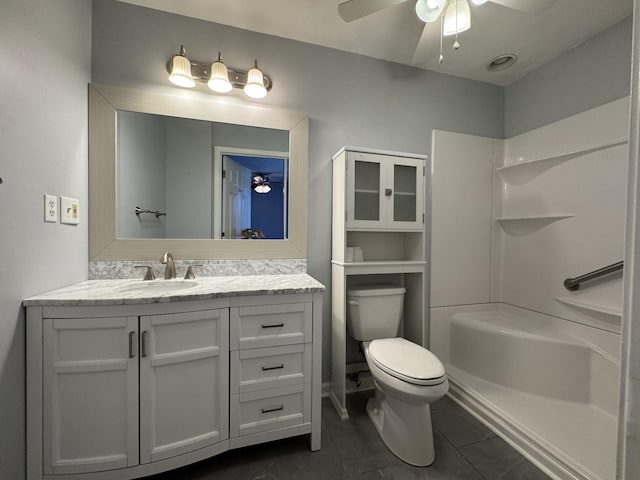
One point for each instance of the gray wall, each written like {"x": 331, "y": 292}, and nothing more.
{"x": 45, "y": 51}
{"x": 593, "y": 73}
{"x": 350, "y": 99}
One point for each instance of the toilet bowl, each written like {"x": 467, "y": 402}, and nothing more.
{"x": 407, "y": 377}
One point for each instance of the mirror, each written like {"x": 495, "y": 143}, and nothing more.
{"x": 187, "y": 178}
{"x": 283, "y": 134}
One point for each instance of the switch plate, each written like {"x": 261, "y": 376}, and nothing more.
{"x": 50, "y": 208}
{"x": 69, "y": 210}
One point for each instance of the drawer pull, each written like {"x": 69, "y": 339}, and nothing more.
{"x": 269, "y": 410}
{"x": 277, "y": 325}
{"x": 278, "y": 367}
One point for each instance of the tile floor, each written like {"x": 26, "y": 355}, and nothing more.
{"x": 352, "y": 449}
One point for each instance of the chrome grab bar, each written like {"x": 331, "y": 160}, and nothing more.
{"x": 574, "y": 283}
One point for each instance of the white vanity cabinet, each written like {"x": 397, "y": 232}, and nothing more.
{"x": 384, "y": 192}
{"x": 114, "y": 388}
{"x": 128, "y": 390}
{"x": 271, "y": 368}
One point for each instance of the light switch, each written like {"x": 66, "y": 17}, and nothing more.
{"x": 50, "y": 208}
{"x": 69, "y": 210}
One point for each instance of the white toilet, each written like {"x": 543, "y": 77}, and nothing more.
{"x": 407, "y": 376}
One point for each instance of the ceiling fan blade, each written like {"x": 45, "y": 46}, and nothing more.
{"x": 354, "y": 9}
{"x": 535, "y": 7}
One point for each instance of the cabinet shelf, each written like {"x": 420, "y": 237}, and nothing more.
{"x": 368, "y": 191}
{"x": 406, "y": 194}
{"x": 522, "y": 172}
{"x": 382, "y": 266}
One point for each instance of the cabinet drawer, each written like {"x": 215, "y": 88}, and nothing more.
{"x": 270, "y": 325}
{"x": 274, "y": 367}
{"x": 266, "y": 410}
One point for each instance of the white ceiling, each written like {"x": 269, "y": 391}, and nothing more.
{"x": 393, "y": 33}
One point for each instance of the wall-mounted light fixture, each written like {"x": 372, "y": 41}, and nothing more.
{"x": 217, "y": 76}
{"x": 260, "y": 183}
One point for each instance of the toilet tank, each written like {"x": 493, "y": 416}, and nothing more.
{"x": 374, "y": 311}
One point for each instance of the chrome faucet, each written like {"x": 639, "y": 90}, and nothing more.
{"x": 170, "y": 270}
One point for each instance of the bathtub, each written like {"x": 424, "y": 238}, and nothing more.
{"x": 547, "y": 386}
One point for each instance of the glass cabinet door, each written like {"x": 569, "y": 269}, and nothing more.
{"x": 407, "y": 198}
{"x": 366, "y": 206}
{"x": 384, "y": 192}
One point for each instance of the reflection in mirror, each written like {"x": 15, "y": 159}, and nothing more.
{"x": 197, "y": 175}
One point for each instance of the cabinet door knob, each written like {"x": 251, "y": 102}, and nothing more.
{"x": 388, "y": 192}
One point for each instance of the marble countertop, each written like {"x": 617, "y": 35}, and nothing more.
{"x": 132, "y": 292}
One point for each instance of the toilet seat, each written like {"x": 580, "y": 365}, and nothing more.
{"x": 406, "y": 361}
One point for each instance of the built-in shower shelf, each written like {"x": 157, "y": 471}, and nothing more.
{"x": 534, "y": 218}
{"x": 526, "y": 224}
{"x": 522, "y": 172}
{"x": 614, "y": 311}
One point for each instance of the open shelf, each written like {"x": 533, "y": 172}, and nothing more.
{"x": 381, "y": 267}
{"x": 527, "y": 224}
{"x": 614, "y": 311}
{"x": 522, "y": 172}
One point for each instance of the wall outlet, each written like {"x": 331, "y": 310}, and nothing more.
{"x": 50, "y": 208}
{"x": 69, "y": 210}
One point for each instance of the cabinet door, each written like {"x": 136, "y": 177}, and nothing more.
{"x": 365, "y": 193}
{"x": 90, "y": 388}
{"x": 184, "y": 382}
{"x": 406, "y": 207}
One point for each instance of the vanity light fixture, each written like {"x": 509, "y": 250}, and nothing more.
{"x": 180, "y": 72}
{"x": 217, "y": 76}
{"x": 260, "y": 183}
{"x": 219, "y": 80}
{"x": 255, "y": 83}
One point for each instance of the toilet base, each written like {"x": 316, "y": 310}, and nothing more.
{"x": 404, "y": 428}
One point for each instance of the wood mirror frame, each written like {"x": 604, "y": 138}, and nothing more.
{"x": 104, "y": 103}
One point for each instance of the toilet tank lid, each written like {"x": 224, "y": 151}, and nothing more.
{"x": 375, "y": 290}
{"x": 406, "y": 360}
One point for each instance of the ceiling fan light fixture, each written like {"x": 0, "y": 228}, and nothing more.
{"x": 429, "y": 10}
{"x": 260, "y": 184}
{"x": 457, "y": 19}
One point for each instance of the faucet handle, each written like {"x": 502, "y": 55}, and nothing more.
{"x": 190, "y": 275}
{"x": 148, "y": 275}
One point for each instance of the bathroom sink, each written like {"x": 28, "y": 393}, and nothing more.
{"x": 156, "y": 286}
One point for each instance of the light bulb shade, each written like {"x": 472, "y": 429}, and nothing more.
{"x": 219, "y": 81}
{"x": 181, "y": 72}
{"x": 265, "y": 188}
{"x": 429, "y": 10}
{"x": 458, "y": 18}
{"x": 479, "y": 2}
{"x": 255, "y": 83}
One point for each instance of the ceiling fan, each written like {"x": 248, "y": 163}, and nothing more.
{"x": 454, "y": 14}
